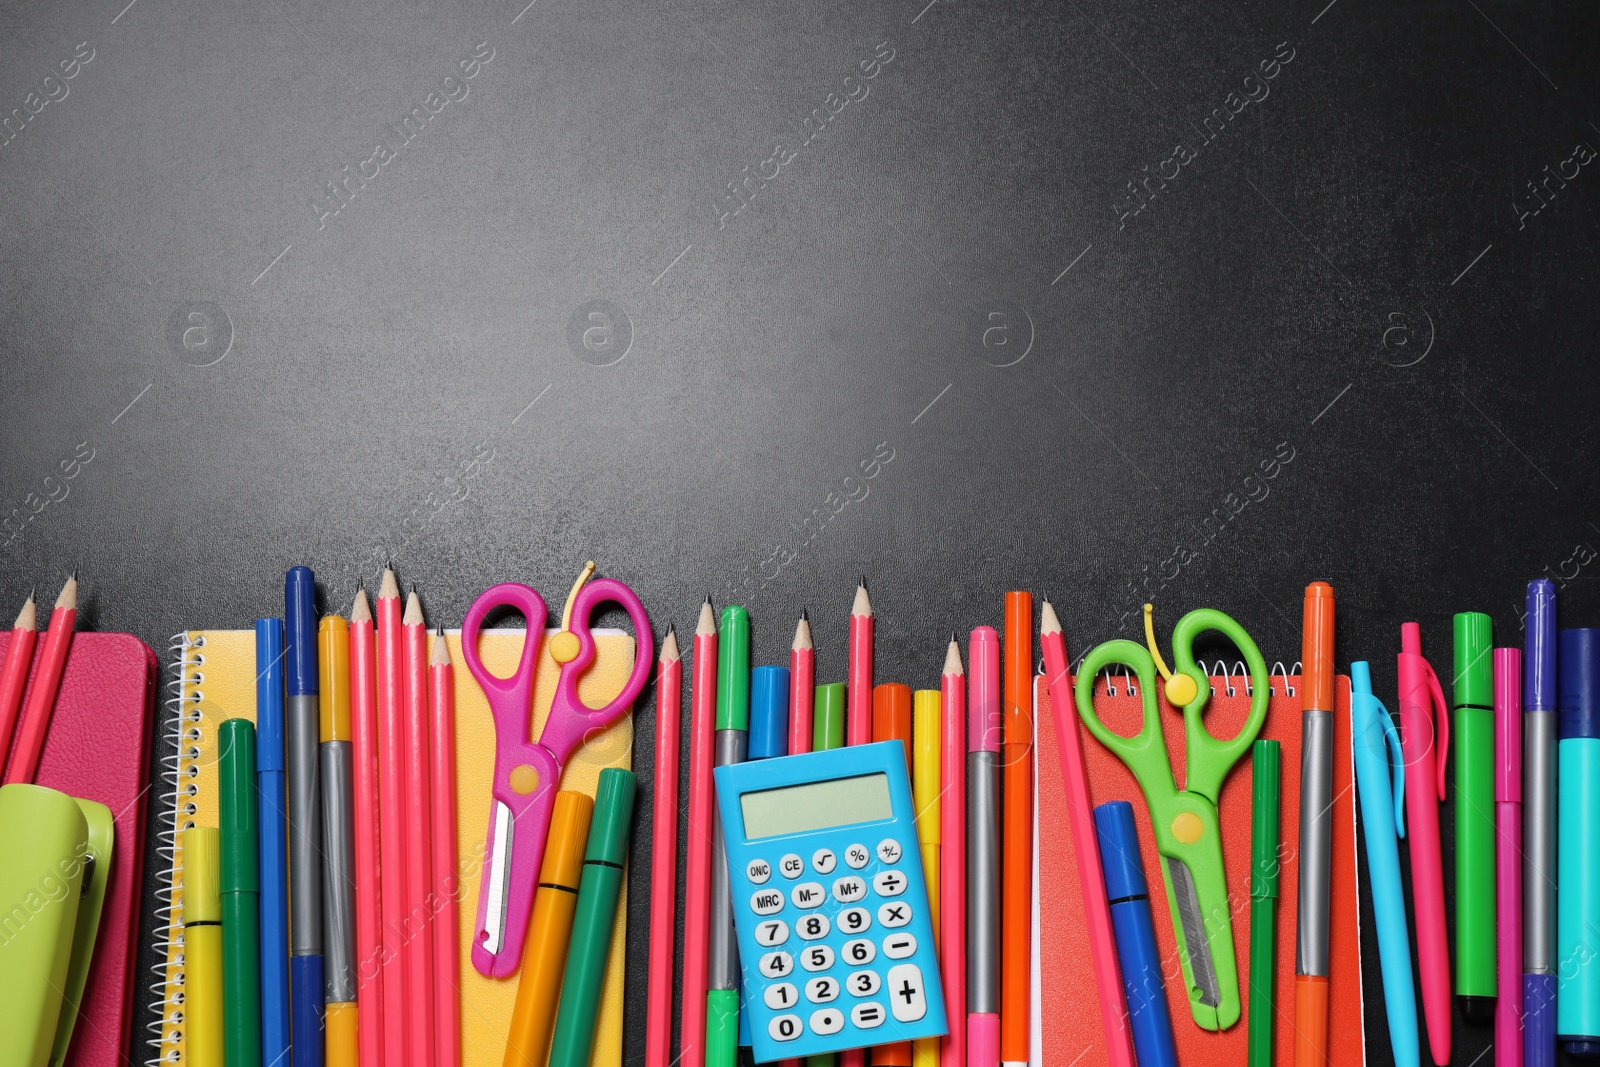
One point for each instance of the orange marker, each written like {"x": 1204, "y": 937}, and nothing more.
{"x": 1316, "y": 822}
{"x": 40, "y": 702}
{"x": 892, "y": 721}
{"x": 1016, "y": 860}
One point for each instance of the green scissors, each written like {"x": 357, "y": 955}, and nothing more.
{"x": 1185, "y": 821}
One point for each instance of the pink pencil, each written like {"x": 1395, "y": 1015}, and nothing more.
{"x": 364, "y": 759}
{"x": 697, "y": 875}
{"x": 664, "y": 857}
{"x": 1086, "y": 842}
{"x": 802, "y": 686}
{"x": 446, "y": 870}
{"x": 858, "y": 720}
{"x": 421, "y": 1028}
{"x": 14, "y": 675}
{"x": 1508, "y": 855}
{"x": 392, "y": 819}
{"x": 953, "y": 858}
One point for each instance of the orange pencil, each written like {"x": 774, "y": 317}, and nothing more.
{"x": 40, "y": 701}
{"x": 14, "y": 675}
{"x": 446, "y": 872}
{"x": 1016, "y": 864}
{"x": 891, "y": 721}
{"x": 364, "y": 784}
{"x": 392, "y": 818}
{"x": 417, "y": 795}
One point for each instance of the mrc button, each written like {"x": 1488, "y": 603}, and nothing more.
{"x": 766, "y": 901}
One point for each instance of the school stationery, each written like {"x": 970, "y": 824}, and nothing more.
{"x": 1421, "y": 699}
{"x": 1016, "y": 879}
{"x": 859, "y": 727}
{"x": 1316, "y": 793}
{"x": 14, "y": 671}
{"x": 394, "y": 842}
{"x": 1508, "y": 855}
{"x": 338, "y": 868}
{"x": 527, "y": 773}
{"x": 1071, "y": 1027}
{"x": 1472, "y": 704}
{"x": 1108, "y": 977}
{"x": 1539, "y": 826}
{"x": 733, "y": 724}
{"x": 1131, "y": 919}
{"x": 827, "y": 733}
{"x": 1383, "y": 823}
{"x": 239, "y": 887}
{"x": 594, "y": 919}
{"x": 891, "y": 721}
{"x": 1578, "y": 847}
{"x": 1188, "y": 834}
{"x": 925, "y": 775}
{"x": 1265, "y": 773}
{"x": 802, "y": 680}
{"x": 417, "y": 795}
{"x": 302, "y": 737}
{"x": 830, "y": 900}
{"x": 663, "y": 857}
{"x": 697, "y": 863}
{"x": 39, "y": 701}
{"x": 769, "y": 738}
{"x": 983, "y": 848}
{"x": 273, "y": 815}
{"x": 446, "y": 882}
{"x": 364, "y": 785}
{"x": 202, "y": 945}
{"x": 953, "y": 843}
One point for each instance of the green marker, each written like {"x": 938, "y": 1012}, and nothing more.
{"x": 1473, "y": 702}
{"x": 1265, "y": 763}
{"x": 733, "y": 736}
{"x": 829, "y": 711}
{"x": 240, "y": 884}
{"x": 594, "y": 918}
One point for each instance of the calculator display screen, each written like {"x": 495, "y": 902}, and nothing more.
{"x": 799, "y": 809}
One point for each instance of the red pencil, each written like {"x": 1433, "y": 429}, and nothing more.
{"x": 697, "y": 873}
{"x": 446, "y": 883}
{"x": 802, "y": 686}
{"x": 422, "y": 1028}
{"x": 14, "y": 675}
{"x": 1016, "y": 866}
{"x": 40, "y": 701}
{"x": 664, "y": 857}
{"x": 392, "y": 819}
{"x": 364, "y": 784}
{"x": 953, "y": 857}
{"x": 858, "y": 693}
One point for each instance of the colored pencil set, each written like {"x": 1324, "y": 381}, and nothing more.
{"x": 26, "y": 705}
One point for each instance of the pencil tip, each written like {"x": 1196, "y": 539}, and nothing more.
{"x": 864, "y": 583}
{"x": 805, "y": 615}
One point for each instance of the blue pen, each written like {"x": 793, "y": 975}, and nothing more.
{"x": 1135, "y": 932}
{"x": 274, "y": 844}
{"x": 769, "y": 737}
{"x": 1539, "y": 730}
{"x": 1377, "y": 750}
{"x": 303, "y": 737}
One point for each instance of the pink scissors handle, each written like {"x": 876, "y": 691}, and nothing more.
{"x": 571, "y": 720}
{"x": 510, "y": 699}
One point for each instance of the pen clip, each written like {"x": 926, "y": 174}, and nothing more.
{"x": 1397, "y": 766}
{"x": 1441, "y": 722}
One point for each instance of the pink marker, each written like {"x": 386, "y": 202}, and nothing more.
{"x": 953, "y": 868}
{"x": 1508, "y": 854}
{"x": 983, "y": 849}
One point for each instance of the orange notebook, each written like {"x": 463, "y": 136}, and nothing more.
{"x": 1070, "y": 1019}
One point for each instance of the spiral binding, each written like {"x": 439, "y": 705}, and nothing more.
{"x": 1106, "y": 680}
{"x": 166, "y": 992}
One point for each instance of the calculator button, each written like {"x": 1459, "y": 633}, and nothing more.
{"x": 857, "y": 856}
{"x": 868, "y": 1016}
{"x": 777, "y": 965}
{"x": 785, "y": 1027}
{"x": 816, "y": 958}
{"x": 758, "y": 871}
{"x": 823, "y": 861}
{"x": 906, "y": 998}
{"x": 849, "y": 889}
{"x": 889, "y": 883}
{"x": 771, "y": 932}
{"x": 859, "y": 952}
{"x": 781, "y": 995}
{"x": 792, "y": 866}
{"x": 822, "y": 990}
{"x": 812, "y": 927}
{"x": 827, "y": 1021}
{"x": 899, "y": 946}
{"x": 889, "y": 850}
{"x": 808, "y": 895}
{"x": 894, "y": 914}
{"x": 766, "y": 901}
{"x": 863, "y": 983}
{"x": 855, "y": 920}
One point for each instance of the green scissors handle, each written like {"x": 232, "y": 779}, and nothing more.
{"x": 1188, "y": 835}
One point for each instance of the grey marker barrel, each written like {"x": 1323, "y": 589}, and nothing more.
{"x": 724, "y": 962}
{"x": 1538, "y": 842}
{"x": 983, "y": 883}
{"x": 305, "y": 826}
{"x": 1316, "y": 826}
{"x": 338, "y": 900}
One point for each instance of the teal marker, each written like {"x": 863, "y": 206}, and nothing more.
{"x": 1578, "y": 844}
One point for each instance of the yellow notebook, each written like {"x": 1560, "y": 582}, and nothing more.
{"x": 216, "y": 675}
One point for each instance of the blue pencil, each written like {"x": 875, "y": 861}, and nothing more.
{"x": 274, "y": 845}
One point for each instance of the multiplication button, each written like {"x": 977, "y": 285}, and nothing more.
{"x": 758, "y": 871}
{"x": 849, "y": 889}
{"x": 827, "y": 1021}
{"x": 889, "y": 850}
{"x": 868, "y": 1016}
{"x": 894, "y": 914}
{"x": 808, "y": 895}
{"x": 889, "y": 883}
{"x": 766, "y": 901}
{"x": 784, "y": 1027}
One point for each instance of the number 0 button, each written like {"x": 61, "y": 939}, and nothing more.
{"x": 784, "y": 1027}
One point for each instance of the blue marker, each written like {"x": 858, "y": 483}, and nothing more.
{"x": 304, "y": 740}
{"x": 1578, "y": 844}
{"x": 1383, "y": 815}
{"x": 1539, "y": 827}
{"x": 769, "y": 737}
{"x": 1136, "y": 935}
{"x": 274, "y": 844}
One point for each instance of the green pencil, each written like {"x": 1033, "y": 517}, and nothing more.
{"x": 1265, "y": 760}
{"x": 240, "y": 885}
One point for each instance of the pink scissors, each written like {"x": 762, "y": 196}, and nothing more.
{"x": 527, "y": 774}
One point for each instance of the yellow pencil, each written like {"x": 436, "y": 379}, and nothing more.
{"x": 927, "y": 712}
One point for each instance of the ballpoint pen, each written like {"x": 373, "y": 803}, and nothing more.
{"x": 1472, "y": 702}
{"x": 1539, "y": 732}
{"x": 1578, "y": 847}
{"x": 1316, "y": 827}
{"x": 1508, "y": 855}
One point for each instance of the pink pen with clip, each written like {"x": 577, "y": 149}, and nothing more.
{"x": 1508, "y": 855}
{"x": 983, "y": 848}
{"x": 1425, "y": 776}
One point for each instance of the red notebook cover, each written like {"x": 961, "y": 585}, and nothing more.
{"x": 1070, "y": 1020}
{"x": 98, "y": 748}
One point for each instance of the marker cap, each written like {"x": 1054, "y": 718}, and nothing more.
{"x": 1539, "y": 674}
{"x": 613, "y": 817}
{"x": 1266, "y": 772}
{"x": 828, "y": 713}
{"x": 300, "y": 634}
{"x": 333, "y": 695}
{"x": 202, "y": 900}
{"x": 1474, "y": 664}
{"x": 569, "y": 835}
{"x": 733, "y": 669}
{"x": 240, "y": 865}
{"x": 984, "y": 725}
{"x": 269, "y": 693}
{"x": 1119, "y": 851}
{"x": 1317, "y": 643}
{"x": 1508, "y": 724}
{"x": 1580, "y": 683}
{"x": 769, "y": 713}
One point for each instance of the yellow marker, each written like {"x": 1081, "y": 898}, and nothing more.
{"x": 338, "y": 815}
{"x": 926, "y": 724}
{"x": 202, "y": 945}
{"x": 544, "y": 954}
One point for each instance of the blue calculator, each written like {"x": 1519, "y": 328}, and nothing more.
{"x": 835, "y": 939}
